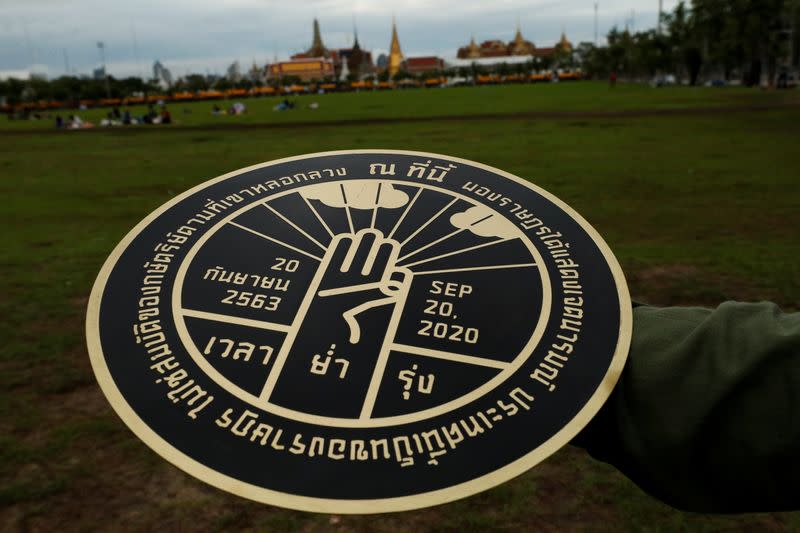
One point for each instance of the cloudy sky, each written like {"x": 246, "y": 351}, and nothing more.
{"x": 51, "y": 36}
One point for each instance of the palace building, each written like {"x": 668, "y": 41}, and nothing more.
{"x": 423, "y": 64}
{"x": 519, "y": 46}
{"x": 313, "y": 64}
{"x": 358, "y": 60}
{"x": 320, "y": 63}
{"x": 306, "y": 69}
{"x": 355, "y": 60}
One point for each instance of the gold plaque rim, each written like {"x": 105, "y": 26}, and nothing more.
{"x": 362, "y": 506}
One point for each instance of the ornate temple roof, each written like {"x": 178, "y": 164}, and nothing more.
{"x": 472, "y": 50}
{"x": 564, "y": 43}
{"x": 519, "y": 46}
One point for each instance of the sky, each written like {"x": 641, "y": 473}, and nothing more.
{"x": 53, "y": 37}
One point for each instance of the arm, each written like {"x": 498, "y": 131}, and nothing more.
{"x": 706, "y": 415}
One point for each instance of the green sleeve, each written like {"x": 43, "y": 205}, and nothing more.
{"x": 706, "y": 414}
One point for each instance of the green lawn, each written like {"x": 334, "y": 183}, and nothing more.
{"x": 698, "y": 208}
{"x": 457, "y": 101}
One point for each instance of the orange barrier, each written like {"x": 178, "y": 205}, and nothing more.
{"x": 41, "y": 105}
{"x": 209, "y": 95}
{"x": 361, "y": 85}
{"x": 236, "y": 93}
{"x": 294, "y": 88}
{"x": 482, "y": 79}
{"x": 408, "y": 83}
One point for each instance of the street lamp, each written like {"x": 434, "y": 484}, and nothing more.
{"x": 102, "y": 48}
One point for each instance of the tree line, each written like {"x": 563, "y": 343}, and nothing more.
{"x": 743, "y": 40}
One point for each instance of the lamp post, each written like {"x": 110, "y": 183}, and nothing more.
{"x": 595, "y": 24}
{"x": 102, "y": 48}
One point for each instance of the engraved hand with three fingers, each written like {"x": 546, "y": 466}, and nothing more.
{"x": 362, "y": 268}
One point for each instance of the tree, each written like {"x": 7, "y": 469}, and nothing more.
{"x": 401, "y": 74}
{"x": 584, "y": 52}
{"x": 563, "y": 57}
{"x": 195, "y": 82}
{"x": 542, "y": 62}
{"x": 683, "y": 42}
{"x": 521, "y": 69}
{"x": 12, "y": 89}
{"x": 748, "y": 34}
{"x": 619, "y": 44}
{"x": 222, "y": 84}
{"x": 745, "y": 36}
{"x": 793, "y": 17}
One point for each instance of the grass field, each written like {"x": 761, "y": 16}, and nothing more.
{"x": 699, "y": 208}
{"x": 550, "y": 98}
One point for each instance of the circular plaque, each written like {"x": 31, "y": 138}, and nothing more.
{"x": 359, "y": 331}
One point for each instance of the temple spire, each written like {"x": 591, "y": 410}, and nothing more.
{"x": 355, "y": 33}
{"x": 357, "y": 58}
{"x": 564, "y": 44}
{"x": 518, "y": 39}
{"x": 395, "y": 54}
{"x": 473, "y": 51}
{"x": 519, "y": 46}
{"x": 317, "y": 48}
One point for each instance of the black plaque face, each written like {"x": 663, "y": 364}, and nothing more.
{"x": 359, "y": 331}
